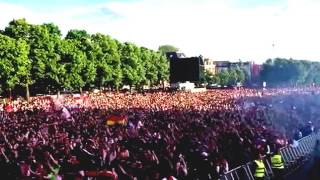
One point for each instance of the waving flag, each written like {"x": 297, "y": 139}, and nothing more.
{"x": 65, "y": 113}
{"x": 9, "y": 108}
{"x": 80, "y": 98}
{"x": 116, "y": 119}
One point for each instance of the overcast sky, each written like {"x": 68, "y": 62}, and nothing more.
{"x": 220, "y": 29}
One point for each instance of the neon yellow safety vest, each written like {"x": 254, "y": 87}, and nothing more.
{"x": 260, "y": 170}
{"x": 276, "y": 162}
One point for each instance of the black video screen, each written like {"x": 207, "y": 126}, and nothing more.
{"x": 184, "y": 69}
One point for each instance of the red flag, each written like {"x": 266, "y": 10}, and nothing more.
{"x": 9, "y": 108}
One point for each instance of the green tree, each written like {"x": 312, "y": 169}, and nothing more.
{"x": 233, "y": 76}
{"x": 117, "y": 74}
{"x": 108, "y": 62}
{"x": 54, "y": 75}
{"x": 148, "y": 59}
{"x": 224, "y": 77}
{"x": 162, "y": 65}
{"x": 14, "y": 63}
{"x": 129, "y": 62}
{"x": 167, "y": 48}
{"x": 45, "y": 47}
{"x": 102, "y": 59}
{"x": 74, "y": 61}
{"x": 241, "y": 75}
{"x": 44, "y": 42}
{"x": 210, "y": 78}
{"x": 83, "y": 50}
{"x": 80, "y": 60}
{"x": 287, "y": 72}
{"x": 141, "y": 71}
{"x": 20, "y": 30}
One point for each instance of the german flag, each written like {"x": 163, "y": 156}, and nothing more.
{"x": 116, "y": 119}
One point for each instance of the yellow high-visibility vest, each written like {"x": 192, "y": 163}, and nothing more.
{"x": 260, "y": 170}
{"x": 276, "y": 162}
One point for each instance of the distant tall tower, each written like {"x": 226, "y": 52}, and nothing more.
{"x": 273, "y": 51}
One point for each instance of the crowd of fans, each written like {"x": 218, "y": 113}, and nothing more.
{"x": 168, "y": 135}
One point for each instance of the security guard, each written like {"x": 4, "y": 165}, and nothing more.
{"x": 259, "y": 168}
{"x": 277, "y": 165}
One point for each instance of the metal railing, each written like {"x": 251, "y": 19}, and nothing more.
{"x": 293, "y": 158}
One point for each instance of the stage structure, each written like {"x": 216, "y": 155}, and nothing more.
{"x": 185, "y": 69}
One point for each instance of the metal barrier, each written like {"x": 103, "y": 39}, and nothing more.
{"x": 293, "y": 157}
{"x": 239, "y": 173}
{"x": 268, "y": 169}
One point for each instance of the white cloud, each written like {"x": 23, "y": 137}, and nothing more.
{"x": 216, "y": 29}
{"x": 10, "y": 11}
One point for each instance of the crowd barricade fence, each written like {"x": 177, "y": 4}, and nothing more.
{"x": 293, "y": 157}
{"x": 239, "y": 173}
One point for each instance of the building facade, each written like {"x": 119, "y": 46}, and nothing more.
{"x": 209, "y": 65}
{"x": 247, "y": 67}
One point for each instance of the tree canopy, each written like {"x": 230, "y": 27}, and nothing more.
{"x": 229, "y": 77}
{"x": 38, "y": 57}
{"x": 167, "y": 48}
{"x": 280, "y": 71}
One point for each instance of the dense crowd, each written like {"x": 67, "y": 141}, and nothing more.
{"x": 168, "y": 135}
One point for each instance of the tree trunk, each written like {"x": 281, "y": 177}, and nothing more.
{"x": 117, "y": 88}
{"x": 10, "y": 94}
{"x": 58, "y": 94}
{"x": 80, "y": 90}
{"x": 27, "y": 93}
{"x": 100, "y": 86}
